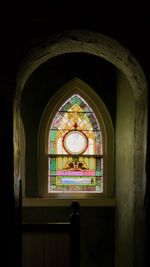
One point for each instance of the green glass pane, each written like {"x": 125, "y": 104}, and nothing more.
{"x": 66, "y": 107}
{"x": 98, "y": 165}
{"x": 78, "y": 100}
{"x": 53, "y": 166}
{"x": 97, "y": 136}
{"x": 52, "y": 148}
{"x": 98, "y": 173}
{"x": 53, "y": 135}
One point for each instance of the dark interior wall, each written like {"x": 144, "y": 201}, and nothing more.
{"x": 97, "y": 228}
{"x": 19, "y": 32}
{"x": 44, "y": 82}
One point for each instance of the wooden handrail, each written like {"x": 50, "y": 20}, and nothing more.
{"x": 45, "y": 227}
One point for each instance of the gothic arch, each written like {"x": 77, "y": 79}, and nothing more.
{"x": 77, "y": 86}
{"x": 110, "y": 50}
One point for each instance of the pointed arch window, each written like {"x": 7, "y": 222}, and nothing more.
{"x": 75, "y": 149}
{"x": 75, "y": 144}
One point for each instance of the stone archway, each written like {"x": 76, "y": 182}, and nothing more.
{"x": 110, "y": 50}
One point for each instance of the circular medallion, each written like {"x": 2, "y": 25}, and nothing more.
{"x": 75, "y": 142}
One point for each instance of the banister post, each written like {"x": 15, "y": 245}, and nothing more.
{"x": 75, "y": 234}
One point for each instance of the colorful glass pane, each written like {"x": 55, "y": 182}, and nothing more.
{"x": 75, "y": 149}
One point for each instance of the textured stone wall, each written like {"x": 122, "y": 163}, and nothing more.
{"x": 124, "y": 175}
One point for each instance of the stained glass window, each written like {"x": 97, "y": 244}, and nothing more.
{"x": 75, "y": 149}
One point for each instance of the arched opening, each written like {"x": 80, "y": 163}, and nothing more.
{"x": 88, "y": 116}
{"x": 130, "y": 148}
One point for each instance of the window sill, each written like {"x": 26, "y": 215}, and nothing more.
{"x": 47, "y": 202}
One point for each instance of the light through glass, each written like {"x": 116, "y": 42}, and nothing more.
{"x": 75, "y": 149}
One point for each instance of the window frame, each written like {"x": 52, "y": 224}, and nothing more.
{"x": 76, "y": 86}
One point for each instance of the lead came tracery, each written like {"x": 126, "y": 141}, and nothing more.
{"x": 75, "y": 149}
